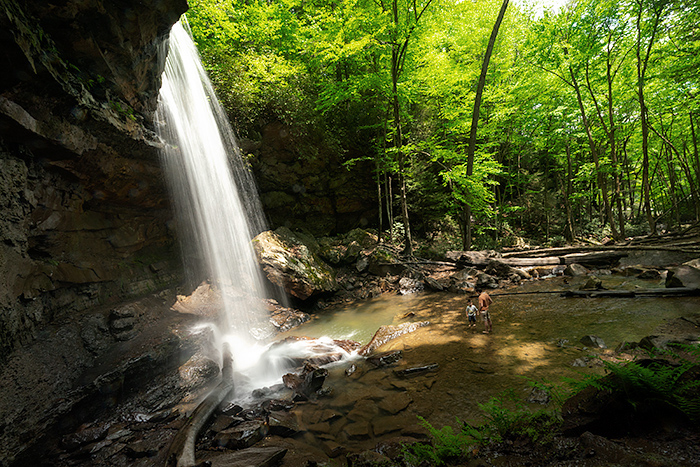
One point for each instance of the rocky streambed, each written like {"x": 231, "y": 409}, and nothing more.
{"x": 114, "y": 385}
{"x": 363, "y": 408}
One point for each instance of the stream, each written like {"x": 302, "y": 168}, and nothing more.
{"x": 535, "y": 338}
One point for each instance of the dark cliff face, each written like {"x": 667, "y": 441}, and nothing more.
{"x": 85, "y": 217}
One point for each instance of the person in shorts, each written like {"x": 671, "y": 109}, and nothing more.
{"x": 484, "y": 302}
{"x": 471, "y": 313}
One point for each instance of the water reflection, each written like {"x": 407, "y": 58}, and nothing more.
{"x": 526, "y": 344}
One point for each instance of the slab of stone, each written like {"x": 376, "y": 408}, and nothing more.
{"x": 251, "y": 457}
{"x": 363, "y": 410}
{"x": 395, "y": 403}
{"x": 357, "y": 430}
{"x": 333, "y": 449}
{"x": 387, "y": 424}
{"x": 241, "y": 436}
{"x": 223, "y": 422}
{"x": 283, "y": 424}
{"x": 323, "y": 427}
{"x": 593, "y": 341}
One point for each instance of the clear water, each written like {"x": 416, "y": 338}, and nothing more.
{"x": 214, "y": 195}
{"x": 473, "y": 367}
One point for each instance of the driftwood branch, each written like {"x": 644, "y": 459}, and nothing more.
{"x": 181, "y": 451}
{"x": 660, "y": 292}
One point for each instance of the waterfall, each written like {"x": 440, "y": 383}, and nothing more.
{"x": 217, "y": 208}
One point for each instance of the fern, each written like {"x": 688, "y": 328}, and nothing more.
{"x": 446, "y": 444}
{"x": 654, "y": 379}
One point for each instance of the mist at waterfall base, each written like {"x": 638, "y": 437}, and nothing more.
{"x": 218, "y": 212}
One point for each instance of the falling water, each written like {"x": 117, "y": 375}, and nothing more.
{"x": 217, "y": 207}
{"x": 218, "y": 212}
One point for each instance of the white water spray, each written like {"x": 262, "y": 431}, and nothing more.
{"x": 212, "y": 201}
{"x": 219, "y": 211}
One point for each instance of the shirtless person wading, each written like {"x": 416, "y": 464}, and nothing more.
{"x": 484, "y": 302}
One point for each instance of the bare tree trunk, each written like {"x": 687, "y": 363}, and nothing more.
{"x": 696, "y": 159}
{"x": 642, "y": 63}
{"x": 602, "y": 185}
{"x": 467, "y": 240}
{"x": 569, "y": 231}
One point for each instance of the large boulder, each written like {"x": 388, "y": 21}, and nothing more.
{"x": 347, "y": 249}
{"x": 685, "y": 275}
{"x": 294, "y": 265}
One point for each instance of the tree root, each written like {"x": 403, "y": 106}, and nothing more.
{"x": 181, "y": 451}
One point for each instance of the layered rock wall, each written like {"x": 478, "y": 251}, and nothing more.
{"x": 85, "y": 217}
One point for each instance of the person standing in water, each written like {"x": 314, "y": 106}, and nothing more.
{"x": 484, "y": 302}
{"x": 471, "y": 313}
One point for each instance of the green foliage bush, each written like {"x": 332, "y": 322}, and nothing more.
{"x": 676, "y": 384}
{"x": 507, "y": 418}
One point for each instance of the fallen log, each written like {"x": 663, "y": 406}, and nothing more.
{"x": 181, "y": 450}
{"x": 592, "y": 258}
{"x": 419, "y": 370}
{"x": 595, "y": 258}
{"x": 667, "y": 292}
{"x": 662, "y": 292}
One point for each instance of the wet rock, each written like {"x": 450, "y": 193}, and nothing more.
{"x": 293, "y": 265}
{"x": 387, "y": 424}
{"x": 284, "y": 319}
{"x": 333, "y": 449}
{"x": 418, "y": 370}
{"x": 650, "y": 274}
{"x": 198, "y": 369}
{"x": 250, "y": 457}
{"x": 593, "y": 283}
{"x": 593, "y": 341}
{"x": 241, "y": 436}
{"x": 625, "y": 346}
{"x": 231, "y": 409}
{"x": 223, "y": 422}
{"x": 307, "y": 382}
{"x": 140, "y": 449}
{"x": 433, "y": 284}
{"x": 470, "y": 258}
{"x": 357, "y": 430}
{"x": 276, "y": 405}
{"x": 85, "y": 436}
{"x": 387, "y": 333}
{"x": 364, "y": 410}
{"x": 362, "y": 264}
{"x": 407, "y": 315}
{"x": 253, "y": 413}
{"x": 95, "y": 334}
{"x": 683, "y": 276}
{"x": 661, "y": 342}
{"x": 486, "y": 281}
{"x": 501, "y": 270}
{"x": 575, "y": 270}
{"x": 395, "y": 403}
{"x": 408, "y": 285}
{"x": 580, "y": 362}
{"x": 283, "y": 424}
{"x": 385, "y": 358}
{"x": 350, "y": 370}
{"x": 539, "y": 396}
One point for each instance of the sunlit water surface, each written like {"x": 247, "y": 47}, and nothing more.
{"x": 535, "y": 339}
